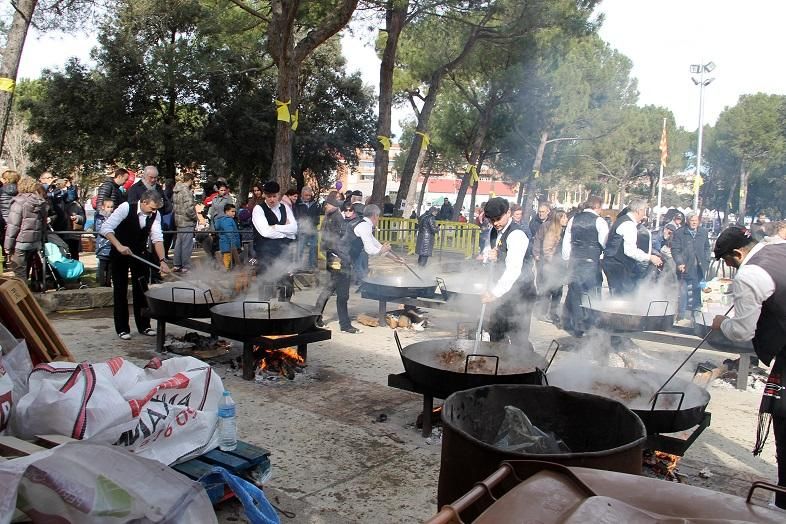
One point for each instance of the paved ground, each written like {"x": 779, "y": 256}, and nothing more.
{"x": 334, "y": 462}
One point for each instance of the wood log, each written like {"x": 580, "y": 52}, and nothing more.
{"x": 367, "y": 320}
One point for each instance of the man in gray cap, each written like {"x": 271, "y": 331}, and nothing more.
{"x": 759, "y": 294}
{"x": 333, "y": 228}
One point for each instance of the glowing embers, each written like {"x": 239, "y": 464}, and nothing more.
{"x": 284, "y": 362}
{"x": 661, "y": 465}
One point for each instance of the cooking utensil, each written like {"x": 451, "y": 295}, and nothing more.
{"x": 621, "y": 315}
{"x": 180, "y": 302}
{"x": 678, "y": 409}
{"x": 479, "y": 331}
{"x": 157, "y": 268}
{"x": 261, "y": 318}
{"x": 391, "y": 286}
{"x": 444, "y": 366}
{"x": 400, "y": 260}
{"x": 704, "y": 339}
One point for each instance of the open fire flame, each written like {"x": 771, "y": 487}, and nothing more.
{"x": 285, "y": 362}
{"x": 663, "y": 464}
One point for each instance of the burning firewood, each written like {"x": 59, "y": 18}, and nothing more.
{"x": 663, "y": 465}
{"x": 285, "y": 362}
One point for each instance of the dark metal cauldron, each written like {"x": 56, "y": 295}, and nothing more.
{"x": 399, "y": 285}
{"x": 601, "y": 433}
{"x": 252, "y": 318}
{"x": 679, "y": 407}
{"x": 180, "y": 302}
{"x": 492, "y": 363}
{"x": 627, "y": 316}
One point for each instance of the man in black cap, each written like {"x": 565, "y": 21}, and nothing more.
{"x": 275, "y": 230}
{"x": 333, "y": 228}
{"x": 759, "y": 294}
{"x": 585, "y": 238}
{"x": 514, "y": 287}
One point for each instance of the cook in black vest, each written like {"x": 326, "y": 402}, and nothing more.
{"x": 275, "y": 230}
{"x": 514, "y": 287}
{"x": 759, "y": 293}
{"x": 128, "y": 229}
{"x": 628, "y": 247}
{"x": 585, "y": 238}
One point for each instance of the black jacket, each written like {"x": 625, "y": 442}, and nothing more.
{"x": 109, "y": 190}
{"x": 136, "y": 190}
{"x": 691, "y": 251}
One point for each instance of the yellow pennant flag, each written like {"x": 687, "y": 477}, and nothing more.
{"x": 664, "y": 145}
{"x": 295, "y": 119}
{"x": 385, "y": 141}
{"x": 7, "y": 84}
{"x": 282, "y": 111}
{"x": 473, "y": 175}
{"x": 697, "y": 182}
{"x": 425, "y": 142}
{"x": 535, "y": 173}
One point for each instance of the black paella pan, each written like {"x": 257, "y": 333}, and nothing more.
{"x": 261, "y": 318}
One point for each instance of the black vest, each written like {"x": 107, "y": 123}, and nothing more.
{"x": 130, "y": 234}
{"x": 268, "y": 248}
{"x": 527, "y": 275}
{"x": 584, "y": 237}
{"x": 770, "y": 337}
{"x": 353, "y": 243}
{"x": 614, "y": 247}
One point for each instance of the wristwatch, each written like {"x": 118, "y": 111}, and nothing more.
{"x": 161, "y": 260}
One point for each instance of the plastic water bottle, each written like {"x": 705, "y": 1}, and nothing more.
{"x": 227, "y": 425}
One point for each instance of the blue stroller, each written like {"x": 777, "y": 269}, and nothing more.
{"x": 54, "y": 263}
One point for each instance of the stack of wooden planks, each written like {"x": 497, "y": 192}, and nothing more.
{"x": 24, "y": 318}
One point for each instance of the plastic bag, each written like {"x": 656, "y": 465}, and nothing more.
{"x": 84, "y": 482}
{"x": 518, "y": 434}
{"x": 167, "y": 411}
{"x": 257, "y": 508}
{"x": 15, "y": 367}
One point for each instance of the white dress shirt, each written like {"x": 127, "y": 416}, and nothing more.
{"x": 751, "y": 287}
{"x": 288, "y": 230}
{"x": 600, "y": 225}
{"x": 120, "y": 214}
{"x": 364, "y": 231}
{"x": 517, "y": 243}
{"x": 628, "y": 230}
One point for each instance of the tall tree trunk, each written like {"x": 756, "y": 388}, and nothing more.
{"x": 744, "y": 176}
{"x": 473, "y": 198}
{"x": 395, "y": 18}
{"x": 9, "y": 61}
{"x": 484, "y": 123}
{"x": 170, "y": 117}
{"x": 286, "y": 91}
{"x": 425, "y": 183}
{"x": 531, "y": 185}
{"x": 410, "y": 198}
{"x": 435, "y": 82}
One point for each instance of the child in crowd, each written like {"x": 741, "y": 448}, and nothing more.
{"x": 228, "y": 236}
{"x": 103, "y": 246}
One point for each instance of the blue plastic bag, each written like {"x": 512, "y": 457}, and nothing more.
{"x": 258, "y": 509}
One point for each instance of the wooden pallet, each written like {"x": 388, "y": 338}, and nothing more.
{"x": 246, "y": 461}
{"x": 24, "y": 318}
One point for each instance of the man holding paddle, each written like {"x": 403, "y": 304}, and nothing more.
{"x": 759, "y": 293}
{"x": 514, "y": 289}
{"x": 128, "y": 229}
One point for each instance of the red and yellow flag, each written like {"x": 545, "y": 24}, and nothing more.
{"x": 664, "y": 145}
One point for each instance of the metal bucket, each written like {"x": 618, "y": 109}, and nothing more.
{"x": 601, "y": 433}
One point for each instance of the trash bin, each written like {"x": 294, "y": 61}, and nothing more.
{"x": 601, "y": 433}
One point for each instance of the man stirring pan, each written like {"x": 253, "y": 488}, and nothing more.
{"x": 759, "y": 293}
{"x": 514, "y": 289}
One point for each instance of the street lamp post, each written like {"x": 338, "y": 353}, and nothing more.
{"x": 700, "y": 69}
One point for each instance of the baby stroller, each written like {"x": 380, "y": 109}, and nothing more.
{"x": 53, "y": 263}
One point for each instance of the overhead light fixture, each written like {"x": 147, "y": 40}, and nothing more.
{"x": 695, "y": 68}
{"x": 696, "y": 82}
{"x": 709, "y": 66}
